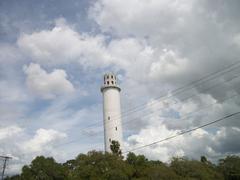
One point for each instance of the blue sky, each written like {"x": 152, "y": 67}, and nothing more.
{"x": 53, "y": 55}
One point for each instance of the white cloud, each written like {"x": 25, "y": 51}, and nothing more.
{"x": 180, "y": 146}
{"x": 47, "y": 85}
{"x": 140, "y": 17}
{"x": 169, "y": 64}
{"x": 63, "y": 45}
{"x": 43, "y": 140}
{"x": 10, "y": 92}
{"x": 190, "y": 30}
{"x": 193, "y": 145}
{"x": 9, "y": 131}
{"x": 169, "y": 117}
{"x": 156, "y": 46}
{"x": 236, "y": 40}
{"x": 13, "y": 102}
{"x": 23, "y": 147}
{"x": 9, "y": 54}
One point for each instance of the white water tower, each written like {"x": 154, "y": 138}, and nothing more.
{"x": 111, "y": 111}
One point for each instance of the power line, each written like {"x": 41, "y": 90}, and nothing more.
{"x": 188, "y": 131}
{"x": 183, "y": 118}
{"x": 186, "y": 98}
{"x": 199, "y": 81}
{"x": 83, "y": 131}
{"x": 208, "y": 77}
{"x": 183, "y": 132}
{"x": 173, "y": 93}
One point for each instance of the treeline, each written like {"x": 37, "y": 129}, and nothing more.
{"x": 112, "y": 166}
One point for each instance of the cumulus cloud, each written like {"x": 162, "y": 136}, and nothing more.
{"x": 191, "y": 30}
{"x": 47, "y": 85}
{"x": 63, "y": 45}
{"x": 42, "y": 139}
{"x": 9, "y": 131}
{"x": 9, "y": 54}
{"x": 195, "y": 144}
{"x": 189, "y": 145}
{"x": 169, "y": 43}
{"x": 181, "y": 38}
{"x": 24, "y": 147}
{"x": 11, "y": 92}
{"x": 140, "y": 17}
{"x": 164, "y": 118}
{"x": 155, "y": 46}
{"x": 168, "y": 64}
{"x": 156, "y": 63}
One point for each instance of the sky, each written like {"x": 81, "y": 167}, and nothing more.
{"x": 53, "y": 54}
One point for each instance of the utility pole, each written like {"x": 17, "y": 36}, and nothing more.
{"x": 5, "y": 159}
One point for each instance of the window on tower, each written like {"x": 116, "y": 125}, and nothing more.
{"x": 108, "y": 82}
{"x": 112, "y": 82}
{"x": 116, "y": 128}
{"x": 108, "y": 117}
{"x": 112, "y": 76}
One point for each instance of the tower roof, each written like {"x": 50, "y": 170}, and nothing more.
{"x": 110, "y": 81}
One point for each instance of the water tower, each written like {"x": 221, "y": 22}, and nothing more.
{"x": 111, "y": 111}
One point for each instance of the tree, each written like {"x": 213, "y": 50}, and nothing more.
{"x": 194, "y": 169}
{"x": 203, "y": 159}
{"x": 145, "y": 169}
{"x": 230, "y": 166}
{"x": 138, "y": 162}
{"x": 15, "y": 177}
{"x": 97, "y": 165}
{"x": 43, "y": 168}
{"x": 160, "y": 171}
{"x": 100, "y": 166}
{"x": 115, "y": 148}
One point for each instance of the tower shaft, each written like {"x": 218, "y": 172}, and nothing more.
{"x": 111, "y": 111}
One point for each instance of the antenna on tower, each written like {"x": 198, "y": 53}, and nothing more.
{"x": 5, "y": 159}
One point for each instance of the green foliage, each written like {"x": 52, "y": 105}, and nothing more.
{"x": 43, "y": 168}
{"x": 115, "y": 148}
{"x": 203, "y": 159}
{"x": 97, "y": 165}
{"x": 111, "y": 166}
{"x": 144, "y": 169}
{"x": 193, "y": 169}
{"x": 160, "y": 171}
{"x": 15, "y": 177}
{"x": 138, "y": 164}
{"x": 230, "y": 166}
